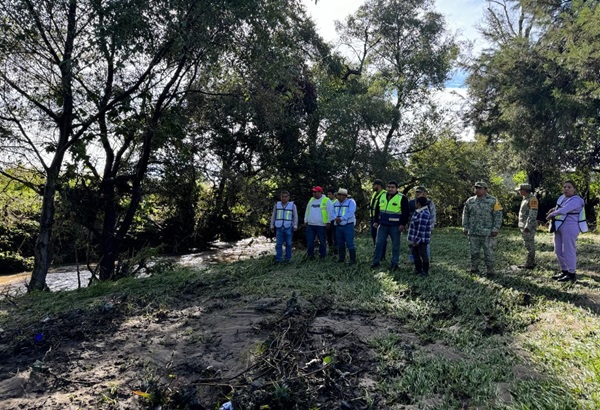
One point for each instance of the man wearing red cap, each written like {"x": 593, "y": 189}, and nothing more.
{"x": 318, "y": 215}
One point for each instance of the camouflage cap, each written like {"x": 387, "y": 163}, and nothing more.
{"x": 526, "y": 187}
{"x": 480, "y": 184}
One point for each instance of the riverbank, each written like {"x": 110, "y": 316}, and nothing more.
{"x": 71, "y": 277}
{"x": 315, "y": 334}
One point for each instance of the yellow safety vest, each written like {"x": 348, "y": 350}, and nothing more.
{"x": 373, "y": 204}
{"x": 390, "y": 211}
{"x": 323, "y": 209}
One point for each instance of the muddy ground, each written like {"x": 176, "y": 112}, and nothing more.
{"x": 199, "y": 353}
{"x": 195, "y": 354}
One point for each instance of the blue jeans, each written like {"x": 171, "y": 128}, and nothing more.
{"x": 344, "y": 236}
{"x": 283, "y": 235}
{"x": 382, "y": 234}
{"x": 374, "y": 236}
{"x": 313, "y": 231}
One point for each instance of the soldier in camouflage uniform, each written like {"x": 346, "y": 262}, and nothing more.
{"x": 528, "y": 223}
{"x": 481, "y": 219}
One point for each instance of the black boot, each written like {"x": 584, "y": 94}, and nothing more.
{"x": 352, "y": 256}
{"x": 425, "y": 269}
{"x": 341, "y": 255}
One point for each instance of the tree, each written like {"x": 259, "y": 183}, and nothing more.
{"x": 78, "y": 73}
{"x": 450, "y": 167}
{"x": 404, "y": 46}
{"x": 535, "y": 87}
{"x": 253, "y": 126}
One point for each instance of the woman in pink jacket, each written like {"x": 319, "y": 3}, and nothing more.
{"x": 568, "y": 219}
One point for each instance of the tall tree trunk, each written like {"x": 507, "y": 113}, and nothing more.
{"x": 108, "y": 242}
{"x": 43, "y": 253}
{"x": 43, "y": 244}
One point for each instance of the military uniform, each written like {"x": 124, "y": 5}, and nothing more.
{"x": 528, "y": 225}
{"x": 481, "y": 217}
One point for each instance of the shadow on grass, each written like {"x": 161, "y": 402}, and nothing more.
{"x": 474, "y": 313}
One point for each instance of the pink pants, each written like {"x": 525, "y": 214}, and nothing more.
{"x": 564, "y": 246}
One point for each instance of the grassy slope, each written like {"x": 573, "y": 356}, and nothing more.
{"x": 515, "y": 340}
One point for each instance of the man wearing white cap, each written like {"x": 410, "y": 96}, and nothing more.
{"x": 344, "y": 211}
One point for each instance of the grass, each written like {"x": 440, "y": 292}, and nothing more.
{"x": 516, "y": 340}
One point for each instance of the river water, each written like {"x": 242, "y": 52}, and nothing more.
{"x": 65, "y": 277}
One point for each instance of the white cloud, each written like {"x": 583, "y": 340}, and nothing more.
{"x": 457, "y": 101}
{"x": 325, "y": 12}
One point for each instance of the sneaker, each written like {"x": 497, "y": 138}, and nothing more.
{"x": 474, "y": 271}
{"x": 394, "y": 268}
{"x": 569, "y": 277}
{"x": 560, "y": 274}
{"x": 526, "y": 266}
{"x": 424, "y": 273}
{"x": 375, "y": 265}
{"x": 340, "y": 261}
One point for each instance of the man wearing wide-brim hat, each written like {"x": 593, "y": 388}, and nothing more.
{"x": 481, "y": 220}
{"x": 344, "y": 213}
{"x": 528, "y": 222}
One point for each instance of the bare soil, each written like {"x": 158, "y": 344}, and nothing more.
{"x": 197, "y": 353}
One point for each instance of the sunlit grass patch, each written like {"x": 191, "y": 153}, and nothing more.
{"x": 566, "y": 343}
{"x": 459, "y": 380}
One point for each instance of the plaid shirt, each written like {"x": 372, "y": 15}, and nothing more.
{"x": 419, "y": 230}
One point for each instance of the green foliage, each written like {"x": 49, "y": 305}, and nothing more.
{"x": 406, "y": 54}
{"x": 539, "y": 91}
{"x": 11, "y": 262}
{"x": 449, "y": 168}
{"x": 18, "y": 222}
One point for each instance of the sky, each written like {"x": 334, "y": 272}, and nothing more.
{"x": 462, "y": 17}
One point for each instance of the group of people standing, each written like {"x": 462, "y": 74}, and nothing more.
{"x": 324, "y": 216}
{"x": 482, "y": 218}
{"x": 391, "y": 213}
{"x": 332, "y": 219}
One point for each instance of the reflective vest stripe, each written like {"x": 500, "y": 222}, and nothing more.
{"x": 390, "y": 211}
{"x": 340, "y": 209}
{"x": 375, "y": 197}
{"x": 581, "y": 220}
{"x": 284, "y": 214}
